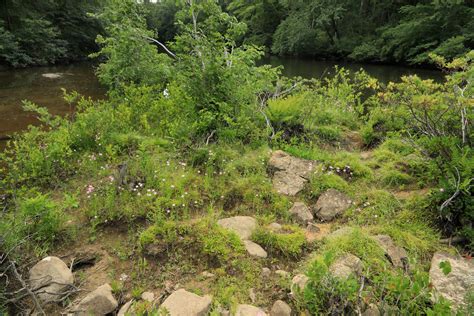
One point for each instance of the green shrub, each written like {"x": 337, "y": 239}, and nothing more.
{"x": 289, "y": 242}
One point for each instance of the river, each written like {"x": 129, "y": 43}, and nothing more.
{"x": 32, "y": 84}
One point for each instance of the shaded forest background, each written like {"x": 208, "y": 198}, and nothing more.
{"x": 47, "y": 32}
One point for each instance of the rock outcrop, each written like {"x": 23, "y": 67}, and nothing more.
{"x": 99, "y": 302}
{"x": 280, "y": 308}
{"x": 184, "y": 303}
{"x": 301, "y": 213}
{"x": 290, "y": 173}
{"x": 397, "y": 255}
{"x": 345, "y": 266}
{"x": 454, "y": 285}
{"x": 249, "y": 310}
{"x": 50, "y": 278}
{"x": 243, "y": 226}
{"x": 330, "y": 204}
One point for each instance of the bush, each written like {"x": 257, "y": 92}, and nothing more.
{"x": 289, "y": 242}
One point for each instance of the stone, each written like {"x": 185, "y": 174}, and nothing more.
{"x": 249, "y": 310}
{"x": 301, "y": 213}
{"x": 275, "y": 227}
{"x": 331, "y": 204}
{"x": 372, "y": 310}
{"x": 345, "y": 266}
{"x": 252, "y": 295}
{"x": 298, "y": 283}
{"x": 50, "y": 275}
{"x": 280, "y": 308}
{"x": 125, "y": 308}
{"x": 207, "y": 274}
{"x": 456, "y": 284}
{"x": 148, "y": 296}
{"x": 99, "y": 302}
{"x": 254, "y": 249}
{"x": 282, "y": 273}
{"x": 290, "y": 173}
{"x": 397, "y": 255}
{"x": 312, "y": 228}
{"x": 184, "y": 303}
{"x": 243, "y": 226}
{"x": 266, "y": 272}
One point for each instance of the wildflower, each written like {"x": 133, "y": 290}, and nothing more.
{"x": 441, "y": 190}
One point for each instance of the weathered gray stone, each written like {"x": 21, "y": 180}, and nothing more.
{"x": 266, "y": 272}
{"x": 312, "y": 228}
{"x": 331, "y": 204}
{"x": 184, "y": 303}
{"x": 397, "y": 255}
{"x": 280, "y": 308}
{"x": 275, "y": 227}
{"x": 345, "y": 266}
{"x": 125, "y": 308}
{"x": 254, "y": 249}
{"x": 50, "y": 276}
{"x": 99, "y": 302}
{"x": 249, "y": 310}
{"x": 243, "y": 226}
{"x": 457, "y": 283}
{"x": 291, "y": 173}
{"x": 301, "y": 213}
{"x": 148, "y": 296}
{"x": 298, "y": 283}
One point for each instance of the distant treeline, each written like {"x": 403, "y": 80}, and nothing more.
{"x": 405, "y": 31}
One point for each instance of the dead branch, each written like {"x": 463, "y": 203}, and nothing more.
{"x": 17, "y": 275}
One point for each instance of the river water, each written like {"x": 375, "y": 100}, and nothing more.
{"x": 32, "y": 84}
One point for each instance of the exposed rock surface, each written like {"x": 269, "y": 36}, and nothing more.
{"x": 266, "y": 272}
{"x": 99, "y": 302}
{"x": 301, "y": 213}
{"x": 249, "y": 310}
{"x": 291, "y": 173}
{"x": 125, "y": 308}
{"x": 346, "y": 265}
{"x": 254, "y": 249}
{"x": 243, "y": 226}
{"x": 458, "y": 282}
{"x": 397, "y": 255}
{"x": 331, "y": 204}
{"x": 298, "y": 283}
{"x": 148, "y": 296}
{"x": 50, "y": 275}
{"x": 184, "y": 303}
{"x": 280, "y": 308}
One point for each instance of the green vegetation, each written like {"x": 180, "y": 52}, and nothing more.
{"x": 184, "y": 140}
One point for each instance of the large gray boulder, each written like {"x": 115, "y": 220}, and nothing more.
{"x": 99, "y": 302}
{"x": 50, "y": 278}
{"x": 345, "y": 266}
{"x": 457, "y": 283}
{"x": 280, "y": 308}
{"x": 254, "y": 249}
{"x": 301, "y": 213}
{"x": 243, "y": 226}
{"x": 331, "y": 204}
{"x": 184, "y": 303}
{"x": 249, "y": 310}
{"x": 397, "y": 255}
{"x": 290, "y": 173}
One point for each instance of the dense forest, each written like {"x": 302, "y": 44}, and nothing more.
{"x": 206, "y": 183}
{"x": 45, "y": 32}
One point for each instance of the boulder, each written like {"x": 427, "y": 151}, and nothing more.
{"x": 280, "y": 308}
{"x": 301, "y": 213}
{"x": 50, "y": 278}
{"x": 99, "y": 302}
{"x": 346, "y": 265}
{"x": 243, "y": 226}
{"x": 249, "y": 310}
{"x": 290, "y": 173}
{"x": 397, "y": 255}
{"x": 184, "y": 303}
{"x": 331, "y": 204}
{"x": 298, "y": 283}
{"x": 125, "y": 308}
{"x": 457, "y": 283}
{"x": 254, "y": 249}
